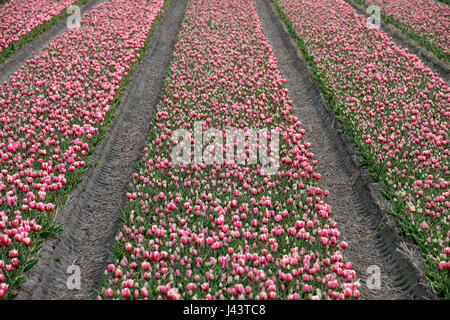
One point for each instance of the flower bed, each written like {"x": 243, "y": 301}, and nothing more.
{"x": 222, "y": 229}
{"x": 53, "y": 112}
{"x": 395, "y": 109}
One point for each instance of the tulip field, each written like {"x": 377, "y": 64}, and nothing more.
{"x": 21, "y": 21}
{"x": 198, "y": 219}
{"x": 427, "y": 21}
{"x": 52, "y": 109}
{"x": 213, "y": 227}
{"x": 397, "y": 111}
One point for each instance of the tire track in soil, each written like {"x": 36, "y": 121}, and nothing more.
{"x": 21, "y": 55}
{"x": 91, "y": 215}
{"x": 357, "y": 205}
{"x": 436, "y": 65}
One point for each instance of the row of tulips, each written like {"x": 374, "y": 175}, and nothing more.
{"x": 395, "y": 109}
{"x": 21, "y": 21}
{"x": 427, "y": 21}
{"x": 53, "y": 111}
{"x": 198, "y": 229}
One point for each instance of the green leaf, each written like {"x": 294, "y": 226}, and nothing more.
{"x": 19, "y": 280}
{"x": 12, "y": 295}
{"x": 45, "y": 234}
{"x": 30, "y": 264}
{"x": 385, "y": 194}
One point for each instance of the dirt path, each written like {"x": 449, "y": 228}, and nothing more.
{"x": 18, "y": 58}
{"x": 358, "y": 207}
{"x": 429, "y": 59}
{"x": 91, "y": 214}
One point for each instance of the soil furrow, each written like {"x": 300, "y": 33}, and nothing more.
{"x": 436, "y": 65}
{"x": 359, "y": 208}
{"x": 91, "y": 214}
